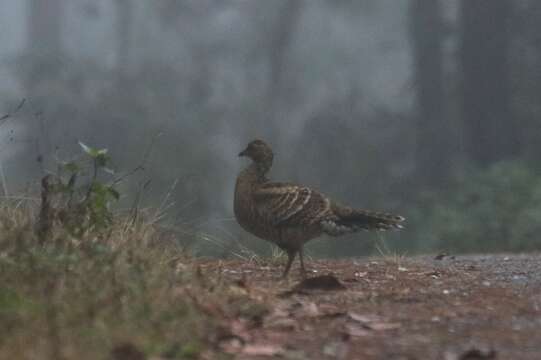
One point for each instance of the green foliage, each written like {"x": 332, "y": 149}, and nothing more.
{"x": 81, "y": 205}
{"x": 497, "y": 209}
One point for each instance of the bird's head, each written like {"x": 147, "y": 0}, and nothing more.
{"x": 259, "y": 151}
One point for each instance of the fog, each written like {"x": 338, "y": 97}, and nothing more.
{"x": 426, "y": 108}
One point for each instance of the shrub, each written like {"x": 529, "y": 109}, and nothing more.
{"x": 497, "y": 209}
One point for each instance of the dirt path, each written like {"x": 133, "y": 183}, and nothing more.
{"x": 467, "y": 307}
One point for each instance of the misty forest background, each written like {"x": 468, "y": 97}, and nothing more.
{"x": 427, "y": 108}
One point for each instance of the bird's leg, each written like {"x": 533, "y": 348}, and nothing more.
{"x": 290, "y": 257}
{"x": 301, "y": 257}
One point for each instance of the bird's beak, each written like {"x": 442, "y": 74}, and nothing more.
{"x": 242, "y": 153}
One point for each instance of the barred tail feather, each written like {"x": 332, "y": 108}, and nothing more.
{"x": 347, "y": 220}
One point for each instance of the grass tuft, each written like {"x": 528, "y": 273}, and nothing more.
{"x": 102, "y": 294}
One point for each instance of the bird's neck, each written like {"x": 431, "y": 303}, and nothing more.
{"x": 257, "y": 171}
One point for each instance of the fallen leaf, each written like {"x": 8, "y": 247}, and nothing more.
{"x": 356, "y": 331}
{"x": 283, "y": 323}
{"x": 330, "y": 310}
{"x": 382, "y": 326}
{"x": 323, "y": 282}
{"x": 363, "y": 318}
{"x": 240, "y": 329}
{"x": 336, "y": 349}
{"x": 443, "y": 255}
{"x": 295, "y": 355}
{"x": 373, "y": 322}
{"x": 473, "y": 353}
{"x": 440, "y": 256}
{"x": 262, "y": 350}
{"x": 310, "y": 309}
{"x": 433, "y": 274}
{"x": 232, "y": 345}
{"x": 127, "y": 351}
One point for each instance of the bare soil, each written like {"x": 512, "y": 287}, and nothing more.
{"x": 463, "y": 307}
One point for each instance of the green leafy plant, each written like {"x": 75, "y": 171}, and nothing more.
{"x": 80, "y": 194}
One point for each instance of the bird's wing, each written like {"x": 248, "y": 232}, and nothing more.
{"x": 289, "y": 204}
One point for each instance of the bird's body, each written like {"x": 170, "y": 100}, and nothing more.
{"x": 277, "y": 221}
{"x": 289, "y": 215}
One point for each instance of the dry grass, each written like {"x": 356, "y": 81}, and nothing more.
{"x": 109, "y": 292}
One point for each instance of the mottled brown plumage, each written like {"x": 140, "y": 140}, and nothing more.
{"x": 289, "y": 215}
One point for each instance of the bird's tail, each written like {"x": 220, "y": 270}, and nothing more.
{"x": 347, "y": 220}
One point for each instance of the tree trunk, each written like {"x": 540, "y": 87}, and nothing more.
{"x": 279, "y": 45}
{"x": 45, "y": 27}
{"x": 124, "y": 32}
{"x": 433, "y": 153}
{"x": 490, "y": 131}
{"x": 44, "y": 40}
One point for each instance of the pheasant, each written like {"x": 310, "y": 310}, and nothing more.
{"x": 289, "y": 215}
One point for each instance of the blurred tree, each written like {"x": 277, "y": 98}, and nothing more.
{"x": 526, "y": 75}
{"x": 44, "y": 26}
{"x": 279, "y": 43}
{"x": 124, "y": 31}
{"x": 490, "y": 130}
{"x": 43, "y": 62}
{"x": 44, "y": 41}
{"x": 433, "y": 153}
